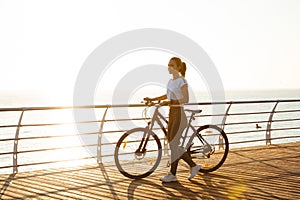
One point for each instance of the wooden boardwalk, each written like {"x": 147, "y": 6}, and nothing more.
{"x": 265, "y": 172}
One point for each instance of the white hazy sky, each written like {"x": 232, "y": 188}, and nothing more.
{"x": 254, "y": 44}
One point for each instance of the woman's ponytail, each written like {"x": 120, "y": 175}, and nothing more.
{"x": 183, "y": 69}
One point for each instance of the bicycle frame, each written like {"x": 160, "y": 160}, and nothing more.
{"x": 157, "y": 116}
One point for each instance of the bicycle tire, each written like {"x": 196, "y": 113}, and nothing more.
{"x": 131, "y": 164}
{"x": 209, "y": 159}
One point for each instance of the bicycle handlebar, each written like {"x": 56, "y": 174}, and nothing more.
{"x": 149, "y": 102}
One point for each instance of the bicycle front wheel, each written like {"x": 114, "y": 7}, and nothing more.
{"x": 209, "y": 147}
{"x": 138, "y": 153}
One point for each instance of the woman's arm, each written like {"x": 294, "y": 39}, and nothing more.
{"x": 185, "y": 94}
{"x": 160, "y": 98}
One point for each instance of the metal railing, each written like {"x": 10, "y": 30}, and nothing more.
{"x": 29, "y": 138}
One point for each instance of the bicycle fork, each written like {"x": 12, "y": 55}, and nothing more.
{"x": 142, "y": 147}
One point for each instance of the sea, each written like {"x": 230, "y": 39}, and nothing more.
{"x": 51, "y": 135}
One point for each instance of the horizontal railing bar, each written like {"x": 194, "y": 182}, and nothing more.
{"x": 286, "y": 137}
{"x": 68, "y": 135}
{"x": 49, "y": 136}
{"x": 142, "y": 105}
{"x": 263, "y": 112}
{"x": 242, "y": 132}
{"x": 232, "y": 114}
{"x": 283, "y": 129}
{"x": 249, "y": 113}
{"x": 262, "y": 140}
{"x": 246, "y": 102}
{"x": 61, "y": 136}
{"x": 286, "y": 120}
{"x": 286, "y": 111}
{"x": 48, "y": 162}
{"x": 70, "y": 107}
{"x": 51, "y": 149}
{"x": 9, "y": 126}
{"x": 245, "y": 113}
{"x": 261, "y": 122}
{"x": 243, "y": 123}
{"x": 72, "y": 123}
{"x": 261, "y": 130}
{"x": 34, "y": 125}
{"x": 48, "y": 124}
{"x": 214, "y": 115}
{"x": 11, "y": 166}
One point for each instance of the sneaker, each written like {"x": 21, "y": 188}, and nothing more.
{"x": 169, "y": 178}
{"x": 194, "y": 171}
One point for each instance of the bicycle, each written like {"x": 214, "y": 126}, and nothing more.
{"x": 139, "y": 151}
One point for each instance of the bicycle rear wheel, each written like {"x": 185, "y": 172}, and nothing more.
{"x": 209, "y": 147}
{"x": 138, "y": 153}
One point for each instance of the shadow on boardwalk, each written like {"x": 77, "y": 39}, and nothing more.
{"x": 266, "y": 172}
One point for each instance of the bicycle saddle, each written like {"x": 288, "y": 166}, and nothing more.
{"x": 193, "y": 111}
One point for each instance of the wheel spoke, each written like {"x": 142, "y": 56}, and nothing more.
{"x": 208, "y": 149}
{"x": 137, "y": 156}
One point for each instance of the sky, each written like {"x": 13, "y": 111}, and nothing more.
{"x": 254, "y": 44}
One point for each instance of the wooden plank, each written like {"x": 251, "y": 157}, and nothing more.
{"x": 264, "y": 172}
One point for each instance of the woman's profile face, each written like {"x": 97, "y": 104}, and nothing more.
{"x": 172, "y": 67}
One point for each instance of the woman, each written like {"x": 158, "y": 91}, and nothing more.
{"x": 177, "y": 94}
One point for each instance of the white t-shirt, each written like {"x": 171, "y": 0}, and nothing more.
{"x": 174, "y": 88}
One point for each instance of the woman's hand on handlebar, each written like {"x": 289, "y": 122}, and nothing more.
{"x": 149, "y": 101}
{"x": 152, "y": 101}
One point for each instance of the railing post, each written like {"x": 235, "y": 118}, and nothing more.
{"x": 221, "y": 139}
{"x": 99, "y": 146}
{"x": 16, "y": 141}
{"x": 225, "y": 116}
{"x": 268, "y": 131}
